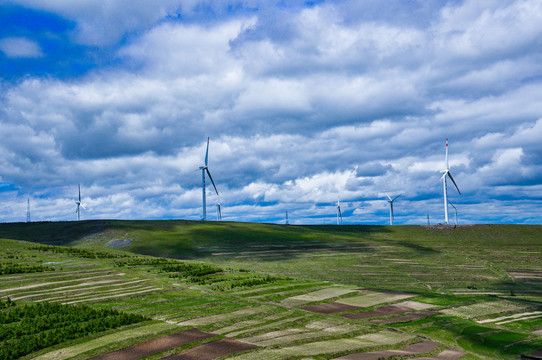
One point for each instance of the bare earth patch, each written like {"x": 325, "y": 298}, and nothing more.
{"x": 212, "y": 350}
{"x": 330, "y": 308}
{"x": 414, "y": 349}
{"x": 405, "y": 318}
{"x": 157, "y": 345}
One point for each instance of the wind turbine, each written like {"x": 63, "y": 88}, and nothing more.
{"x": 391, "y": 205}
{"x": 339, "y": 214}
{"x": 205, "y": 169}
{"x": 455, "y": 212}
{"x": 79, "y": 204}
{"x": 446, "y": 173}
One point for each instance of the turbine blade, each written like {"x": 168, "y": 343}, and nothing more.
{"x": 79, "y": 187}
{"x": 210, "y": 177}
{"x": 451, "y": 178}
{"x": 443, "y": 175}
{"x": 387, "y": 195}
{"x": 207, "y": 152}
{"x": 396, "y": 197}
{"x": 340, "y": 213}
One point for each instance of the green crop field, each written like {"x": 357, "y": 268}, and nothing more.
{"x": 285, "y": 292}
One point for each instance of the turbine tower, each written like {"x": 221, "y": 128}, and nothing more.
{"x": 28, "y": 211}
{"x": 78, "y": 203}
{"x": 205, "y": 169}
{"x": 218, "y": 209}
{"x": 339, "y": 214}
{"x": 391, "y": 205}
{"x": 446, "y": 173}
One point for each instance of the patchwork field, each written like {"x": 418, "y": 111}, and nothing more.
{"x": 192, "y": 290}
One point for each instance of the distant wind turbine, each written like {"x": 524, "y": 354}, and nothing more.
{"x": 79, "y": 204}
{"x": 446, "y": 173}
{"x": 391, "y": 205}
{"x": 205, "y": 169}
{"x": 455, "y": 212}
{"x": 339, "y": 214}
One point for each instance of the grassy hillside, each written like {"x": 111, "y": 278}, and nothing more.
{"x": 480, "y": 257}
{"x": 296, "y": 292}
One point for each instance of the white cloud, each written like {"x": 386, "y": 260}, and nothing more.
{"x": 20, "y": 47}
{"x": 330, "y": 107}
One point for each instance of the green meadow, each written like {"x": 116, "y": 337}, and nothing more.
{"x": 475, "y": 290}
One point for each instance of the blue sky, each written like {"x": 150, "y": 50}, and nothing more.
{"x": 303, "y": 101}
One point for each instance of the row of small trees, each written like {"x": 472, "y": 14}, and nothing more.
{"x": 14, "y": 268}
{"x": 82, "y": 253}
{"x": 31, "y": 327}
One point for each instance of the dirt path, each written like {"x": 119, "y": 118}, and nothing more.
{"x": 154, "y": 346}
{"x": 212, "y": 350}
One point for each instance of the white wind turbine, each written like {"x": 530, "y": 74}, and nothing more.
{"x": 79, "y": 204}
{"x": 391, "y": 205}
{"x": 446, "y": 173}
{"x": 339, "y": 214}
{"x": 205, "y": 169}
{"x": 455, "y": 212}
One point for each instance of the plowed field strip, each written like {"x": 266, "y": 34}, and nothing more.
{"x": 212, "y": 350}
{"x": 52, "y": 274}
{"x": 50, "y": 283}
{"x": 405, "y": 318}
{"x": 510, "y": 317}
{"x": 380, "y": 312}
{"x": 97, "y": 290}
{"x": 156, "y": 345}
{"x": 68, "y": 352}
{"x": 414, "y": 349}
{"x": 77, "y": 288}
{"x": 333, "y": 307}
{"x": 113, "y": 296}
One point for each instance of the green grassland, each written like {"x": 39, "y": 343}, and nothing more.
{"x": 250, "y": 282}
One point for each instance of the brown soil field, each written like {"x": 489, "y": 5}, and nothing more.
{"x": 157, "y": 345}
{"x": 408, "y": 317}
{"x": 414, "y": 349}
{"x": 330, "y": 308}
{"x": 212, "y": 350}
{"x": 381, "y": 311}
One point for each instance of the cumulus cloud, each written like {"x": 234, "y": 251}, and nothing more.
{"x": 302, "y": 104}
